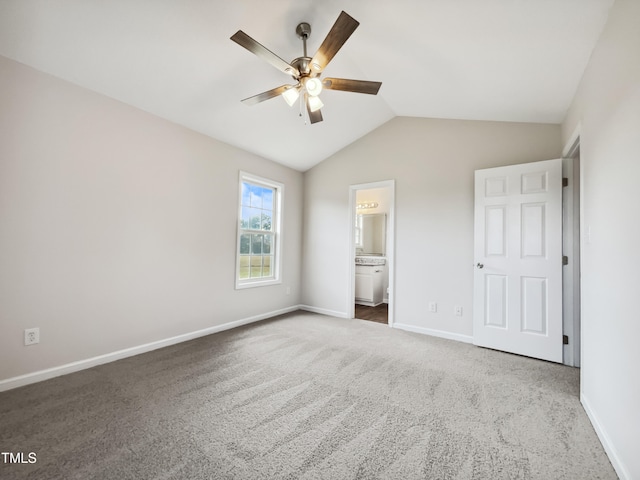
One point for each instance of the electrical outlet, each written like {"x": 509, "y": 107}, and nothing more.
{"x": 288, "y": 290}
{"x": 433, "y": 307}
{"x": 457, "y": 310}
{"x": 31, "y": 336}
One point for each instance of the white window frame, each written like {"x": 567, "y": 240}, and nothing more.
{"x": 276, "y": 220}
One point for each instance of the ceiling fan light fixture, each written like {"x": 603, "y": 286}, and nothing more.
{"x": 315, "y": 104}
{"x": 290, "y": 95}
{"x": 313, "y": 86}
{"x": 306, "y": 70}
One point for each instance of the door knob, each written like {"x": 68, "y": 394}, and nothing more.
{"x": 480, "y": 265}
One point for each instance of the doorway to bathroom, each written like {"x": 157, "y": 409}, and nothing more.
{"x": 372, "y": 240}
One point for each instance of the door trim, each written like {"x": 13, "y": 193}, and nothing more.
{"x": 571, "y": 271}
{"x": 391, "y": 240}
{"x": 573, "y": 291}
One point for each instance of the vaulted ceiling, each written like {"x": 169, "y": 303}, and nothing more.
{"x": 503, "y": 60}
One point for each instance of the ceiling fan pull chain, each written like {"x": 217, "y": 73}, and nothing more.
{"x": 300, "y": 103}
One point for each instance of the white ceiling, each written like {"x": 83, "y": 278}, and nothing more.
{"x": 505, "y": 60}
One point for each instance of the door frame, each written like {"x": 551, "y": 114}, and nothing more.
{"x": 572, "y": 245}
{"x": 391, "y": 237}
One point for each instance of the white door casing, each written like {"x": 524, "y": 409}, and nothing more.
{"x": 518, "y": 259}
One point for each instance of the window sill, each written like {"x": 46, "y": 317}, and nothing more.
{"x": 257, "y": 283}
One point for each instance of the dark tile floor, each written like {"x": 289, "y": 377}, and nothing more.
{"x": 379, "y": 314}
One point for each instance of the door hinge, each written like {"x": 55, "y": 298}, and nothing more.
{"x": 565, "y": 182}
{"x": 565, "y": 339}
{"x": 565, "y": 260}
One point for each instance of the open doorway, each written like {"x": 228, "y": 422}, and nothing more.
{"x": 372, "y": 229}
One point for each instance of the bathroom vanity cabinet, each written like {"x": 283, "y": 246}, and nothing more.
{"x": 369, "y": 284}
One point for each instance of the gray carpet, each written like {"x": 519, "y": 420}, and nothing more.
{"x": 306, "y": 396}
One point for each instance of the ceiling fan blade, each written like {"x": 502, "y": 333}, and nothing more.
{"x": 261, "y": 51}
{"x": 314, "y": 117}
{"x": 357, "y": 86}
{"x": 340, "y": 32}
{"x": 261, "y": 97}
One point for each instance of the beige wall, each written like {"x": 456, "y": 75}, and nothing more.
{"x": 432, "y": 162}
{"x": 607, "y": 108}
{"x": 117, "y": 228}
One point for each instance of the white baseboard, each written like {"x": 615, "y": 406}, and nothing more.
{"x": 434, "y": 333}
{"x": 323, "y": 311}
{"x": 41, "y": 375}
{"x": 612, "y": 453}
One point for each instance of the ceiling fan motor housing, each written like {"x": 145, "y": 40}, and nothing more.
{"x": 303, "y": 65}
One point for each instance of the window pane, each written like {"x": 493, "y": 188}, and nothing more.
{"x": 267, "y": 199}
{"x": 266, "y": 220}
{"x": 266, "y": 267}
{"x": 256, "y": 266}
{"x": 256, "y": 196}
{"x": 256, "y": 272}
{"x": 246, "y": 197}
{"x": 256, "y": 261}
{"x": 244, "y": 266}
{"x": 245, "y": 218}
{"x": 256, "y": 244}
{"x": 266, "y": 244}
{"x": 255, "y": 218}
{"x": 245, "y": 244}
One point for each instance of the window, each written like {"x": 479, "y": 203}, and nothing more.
{"x": 258, "y": 232}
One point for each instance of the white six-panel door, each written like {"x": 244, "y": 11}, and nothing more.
{"x": 518, "y": 259}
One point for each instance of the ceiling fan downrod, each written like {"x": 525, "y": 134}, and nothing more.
{"x": 303, "y": 63}
{"x": 303, "y": 30}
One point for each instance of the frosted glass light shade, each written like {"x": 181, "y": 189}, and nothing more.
{"x": 290, "y": 95}
{"x": 313, "y": 86}
{"x": 315, "y": 103}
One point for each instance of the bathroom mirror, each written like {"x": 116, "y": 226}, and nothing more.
{"x": 371, "y": 233}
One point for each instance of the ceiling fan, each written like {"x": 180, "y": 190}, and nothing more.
{"x": 306, "y": 70}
